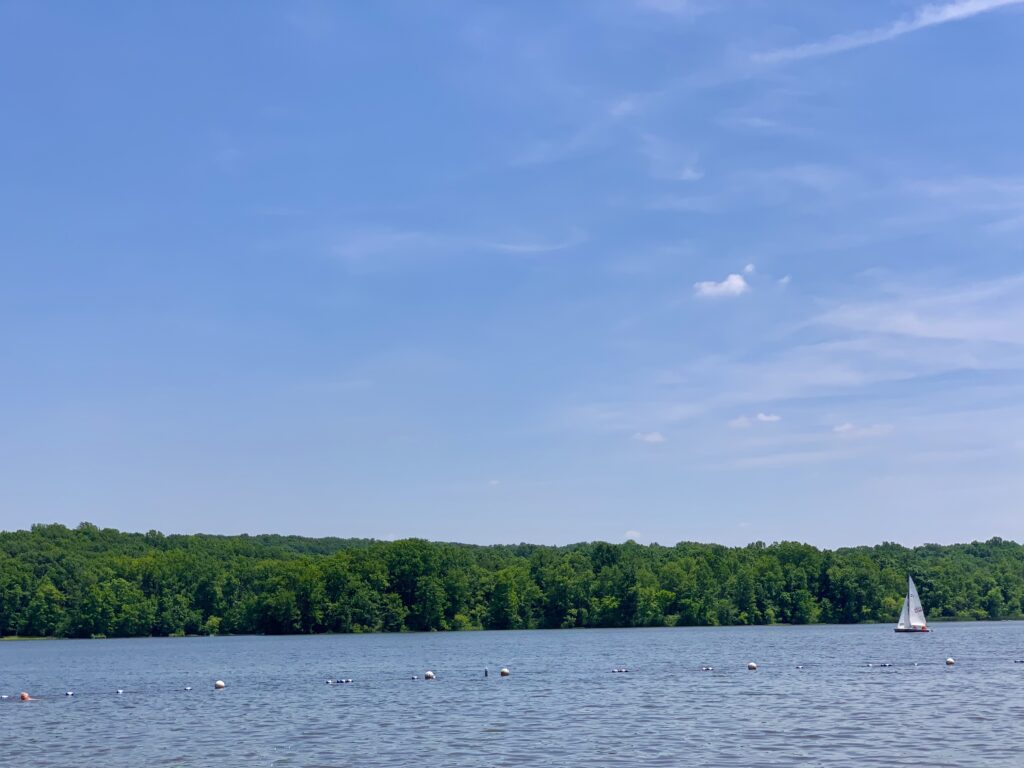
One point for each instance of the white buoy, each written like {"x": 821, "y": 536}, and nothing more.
{"x": 428, "y": 675}
{"x": 950, "y": 661}
{"x": 504, "y": 672}
{"x": 799, "y": 666}
{"x": 219, "y": 685}
{"x": 120, "y": 691}
{"x": 69, "y": 693}
{"x": 188, "y": 687}
{"x": 414, "y": 677}
{"x": 751, "y": 666}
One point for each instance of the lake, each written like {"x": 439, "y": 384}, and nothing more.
{"x": 814, "y": 699}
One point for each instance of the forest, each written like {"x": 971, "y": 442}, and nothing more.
{"x": 90, "y": 582}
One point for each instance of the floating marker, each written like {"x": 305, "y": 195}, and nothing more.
{"x": 707, "y": 669}
{"x": 950, "y": 661}
{"x": 414, "y": 677}
{"x": 69, "y": 693}
{"x": 504, "y": 672}
{"x": 4, "y": 696}
{"x": 188, "y": 687}
{"x": 799, "y": 666}
{"x": 428, "y": 675}
{"x": 486, "y": 672}
{"x": 751, "y": 666}
{"x": 120, "y": 691}
{"x": 219, "y": 685}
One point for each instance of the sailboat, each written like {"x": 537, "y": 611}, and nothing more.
{"x": 912, "y": 616}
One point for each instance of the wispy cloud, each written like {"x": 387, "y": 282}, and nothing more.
{"x": 369, "y": 249}
{"x": 991, "y": 311}
{"x": 742, "y": 422}
{"x": 849, "y": 430}
{"x": 676, "y": 8}
{"x": 733, "y": 285}
{"x": 651, "y": 438}
{"x": 687, "y": 203}
{"x": 667, "y": 160}
{"x": 577, "y": 237}
{"x": 927, "y": 16}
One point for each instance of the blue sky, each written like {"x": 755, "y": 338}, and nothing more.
{"x": 492, "y": 272}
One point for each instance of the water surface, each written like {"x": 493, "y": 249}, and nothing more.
{"x": 814, "y": 700}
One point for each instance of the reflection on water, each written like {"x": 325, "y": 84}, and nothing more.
{"x": 814, "y": 699}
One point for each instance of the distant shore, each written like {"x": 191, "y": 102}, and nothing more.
{"x": 89, "y": 582}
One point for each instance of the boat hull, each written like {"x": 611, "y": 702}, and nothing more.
{"x": 911, "y": 629}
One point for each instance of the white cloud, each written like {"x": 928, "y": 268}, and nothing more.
{"x": 733, "y": 285}
{"x": 926, "y": 16}
{"x": 784, "y": 280}
{"x": 769, "y": 417}
{"x": 749, "y": 269}
{"x": 634, "y": 535}
{"x": 740, "y": 422}
{"x": 651, "y": 438}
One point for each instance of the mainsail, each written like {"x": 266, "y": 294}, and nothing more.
{"x": 917, "y": 620}
{"x": 912, "y": 616}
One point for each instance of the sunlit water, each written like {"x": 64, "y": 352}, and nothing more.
{"x": 561, "y": 706}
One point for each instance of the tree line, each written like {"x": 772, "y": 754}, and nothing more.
{"x": 92, "y": 582}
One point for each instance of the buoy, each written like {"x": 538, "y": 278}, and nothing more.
{"x": 120, "y": 691}
{"x": 428, "y": 675}
{"x": 799, "y": 666}
{"x": 486, "y": 672}
{"x": 504, "y": 672}
{"x": 69, "y": 693}
{"x": 219, "y": 685}
{"x": 751, "y": 666}
{"x": 950, "y": 661}
{"x": 414, "y": 677}
{"x": 707, "y": 669}
{"x": 4, "y": 696}
{"x": 188, "y": 687}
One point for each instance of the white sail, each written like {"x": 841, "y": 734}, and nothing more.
{"x": 913, "y": 602}
{"x": 904, "y": 622}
